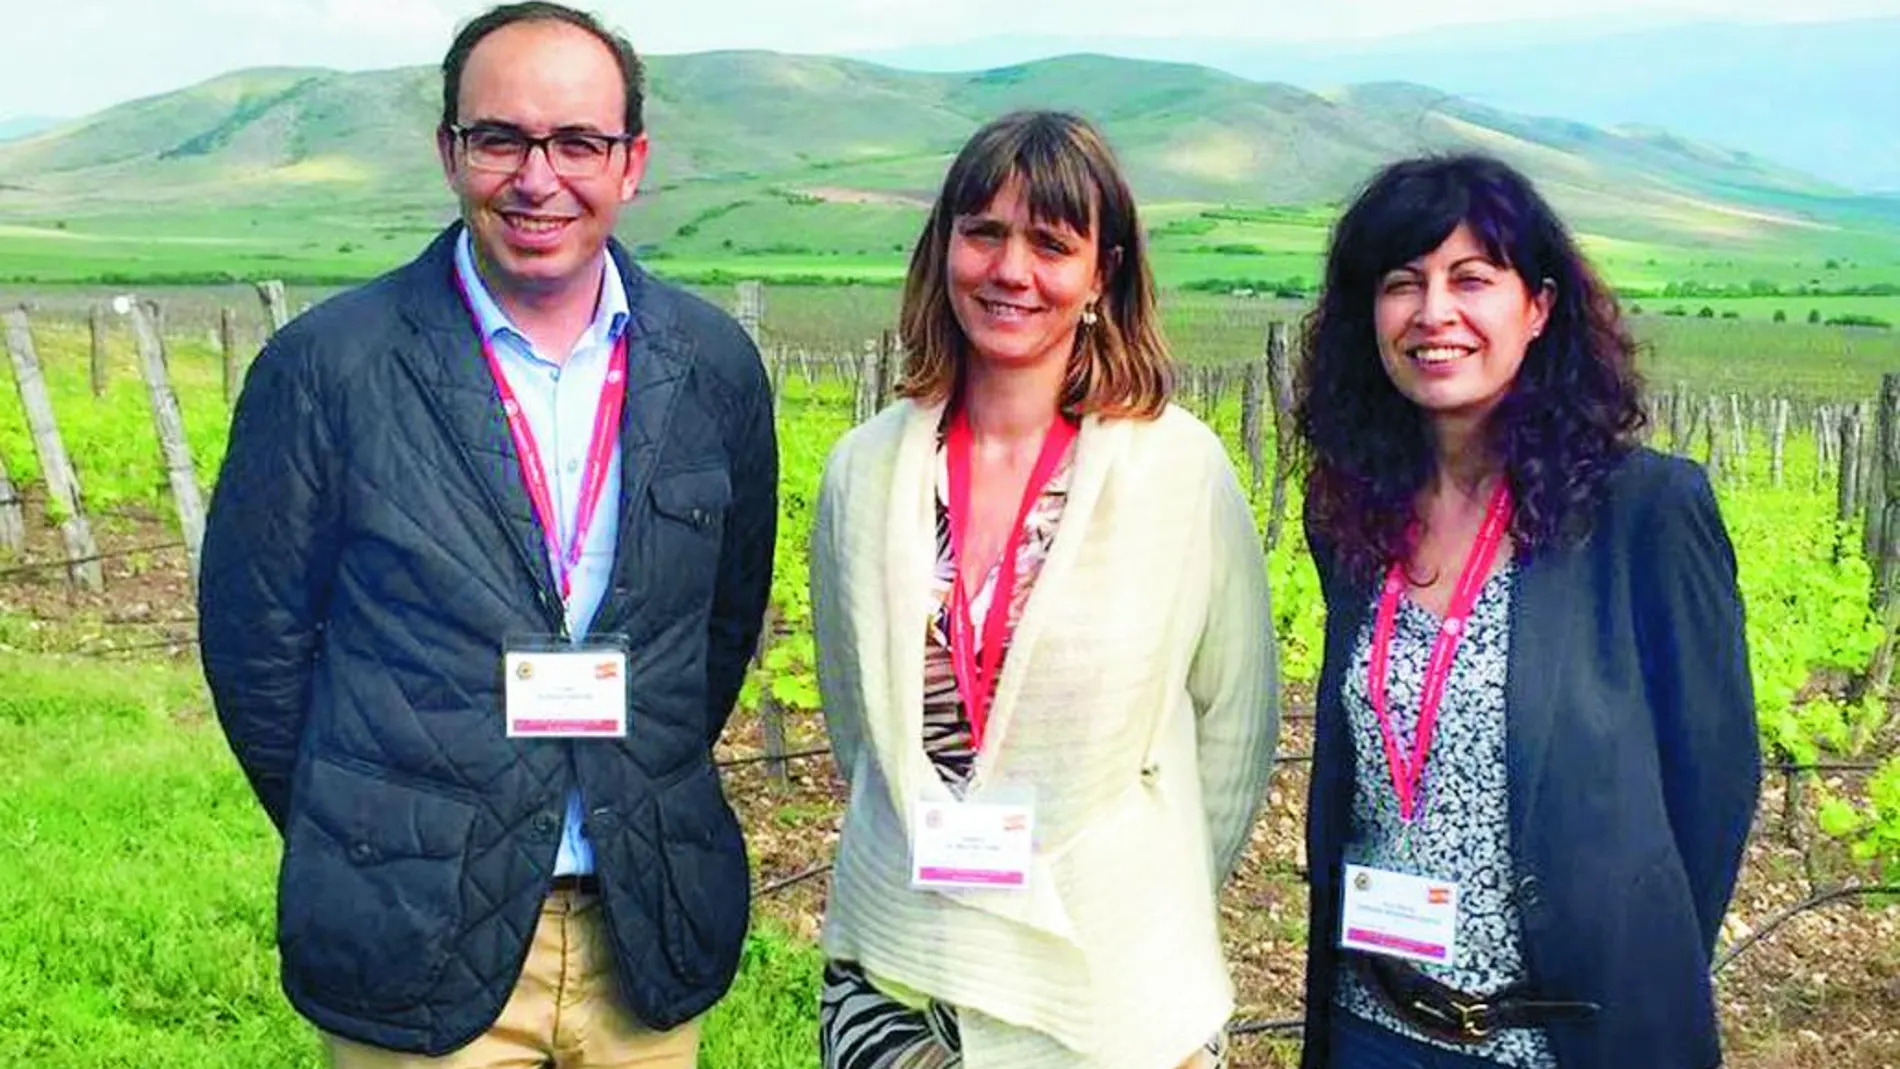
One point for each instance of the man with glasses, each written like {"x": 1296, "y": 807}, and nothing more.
{"x": 486, "y": 563}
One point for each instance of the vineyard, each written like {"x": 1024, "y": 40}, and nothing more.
{"x": 1788, "y": 416}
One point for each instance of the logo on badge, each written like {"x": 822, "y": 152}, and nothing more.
{"x": 524, "y": 671}
{"x": 933, "y": 819}
{"x": 607, "y": 670}
{"x": 1015, "y": 822}
{"x": 1438, "y": 896}
{"x": 1362, "y": 882}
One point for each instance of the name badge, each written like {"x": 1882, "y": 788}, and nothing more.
{"x": 962, "y": 846}
{"x": 567, "y": 693}
{"x": 1399, "y": 915}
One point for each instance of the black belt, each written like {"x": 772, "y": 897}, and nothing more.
{"x": 586, "y": 884}
{"x": 1448, "y": 1014}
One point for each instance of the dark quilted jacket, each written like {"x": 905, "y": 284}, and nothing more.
{"x": 370, "y": 545}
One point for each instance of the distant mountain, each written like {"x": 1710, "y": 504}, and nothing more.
{"x": 17, "y": 126}
{"x": 1821, "y": 96}
{"x": 733, "y": 124}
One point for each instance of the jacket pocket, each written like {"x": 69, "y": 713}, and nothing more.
{"x": 695, "y": 499}
{"x": 690, "y": 524}
{"x": 705, "y": 905}
{"x": 369, "y": 895}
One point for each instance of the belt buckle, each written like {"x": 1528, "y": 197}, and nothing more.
{"x": 1469, "y": 1014}
{"x": 1468, "y": 1022}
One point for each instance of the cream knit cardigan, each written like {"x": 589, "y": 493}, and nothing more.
{"x": 1138, "y": 703}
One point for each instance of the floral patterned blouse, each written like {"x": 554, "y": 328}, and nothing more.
{"x": 1462, "y": 829}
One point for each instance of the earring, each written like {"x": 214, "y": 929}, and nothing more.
{"x": 1088, "y": 315}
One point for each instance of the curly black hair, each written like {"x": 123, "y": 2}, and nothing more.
{"x": 1572, "y": 413}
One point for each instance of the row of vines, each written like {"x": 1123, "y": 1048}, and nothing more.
{"x": 1811, "y": 629}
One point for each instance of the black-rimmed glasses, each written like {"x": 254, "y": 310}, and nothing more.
{"x": 504, "y": 149}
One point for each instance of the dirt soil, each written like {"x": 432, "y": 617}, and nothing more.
{"x": 1821, "y": 992}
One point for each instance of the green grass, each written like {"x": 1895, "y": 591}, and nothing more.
{"x": 136, "y": 902}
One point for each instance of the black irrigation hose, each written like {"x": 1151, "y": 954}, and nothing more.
{"x": 136, "y": 647}
{"x": 756, "y": 759}
{"x": 42, "y": 566}
{"x": 1852, "y": 890}
{"x": 796, "y": 878}
{"x": 1306, "y": 758}
{"x": 1791, "y": 768}
{"x": 1255, "y": 1028}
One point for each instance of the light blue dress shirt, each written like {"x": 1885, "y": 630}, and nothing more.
{"x": 559, "y": 399}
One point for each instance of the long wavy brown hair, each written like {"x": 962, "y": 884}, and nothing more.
{"x": 1120, "y": 366}
{"x": 1569, "y": 417}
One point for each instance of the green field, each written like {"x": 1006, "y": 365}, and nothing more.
{"x": 1808, "y": 310}
{"x": 857, "y": 223}
{"x": 136, "y": 905}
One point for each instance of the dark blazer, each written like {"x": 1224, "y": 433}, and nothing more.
{"x": 370, "y": 545}
{"x": 1633, "y": 766}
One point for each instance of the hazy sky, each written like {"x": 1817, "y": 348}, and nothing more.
{"x": 70, "y": 57}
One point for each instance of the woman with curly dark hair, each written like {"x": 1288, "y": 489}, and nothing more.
{"x": 1535, "y": 760}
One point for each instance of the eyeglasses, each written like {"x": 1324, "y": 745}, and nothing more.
{"x": 505, "y": 150}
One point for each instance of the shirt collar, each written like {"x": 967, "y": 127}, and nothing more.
{"x": 610, "y": 315}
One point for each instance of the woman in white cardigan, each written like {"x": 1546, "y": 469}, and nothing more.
{"x": 1045, "y": 650}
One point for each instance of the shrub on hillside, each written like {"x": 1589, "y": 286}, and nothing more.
{"x": 1856, "y": 319}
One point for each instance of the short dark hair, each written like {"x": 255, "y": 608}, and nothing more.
{"x": 471, "y": 34}
{"x": 1570, "y": 416}
{"x": 1120, "y": 366}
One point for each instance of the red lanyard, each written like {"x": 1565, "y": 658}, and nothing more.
{"x": 600, "y": 450}
{"x": 1407, "y": 774}
{"x": 976, "y": 675}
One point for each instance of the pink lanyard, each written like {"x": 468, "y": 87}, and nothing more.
{"x": 600, "y": 448}
{"x": 976, "y": 675}
{"x": 1407, "y": 774}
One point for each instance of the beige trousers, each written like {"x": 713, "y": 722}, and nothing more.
{"x": 564, "y": 1014}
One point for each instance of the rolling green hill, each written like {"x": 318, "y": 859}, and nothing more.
{"x": 789, "y": 160}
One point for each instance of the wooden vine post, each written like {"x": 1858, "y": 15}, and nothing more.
{"x": 64, "y": 503}
{"x": 170, "y": 423}
{"x": 96, "y": 320}
{"x": 1253, "y": 388}
{"x": 12, "y": 514}
{"x": 1886, "y": 559}
{"x": 1280, "y": 387}
{"x": 276, "y": 303}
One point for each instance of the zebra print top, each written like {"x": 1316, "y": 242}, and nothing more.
{"x": 947, "y": 735}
